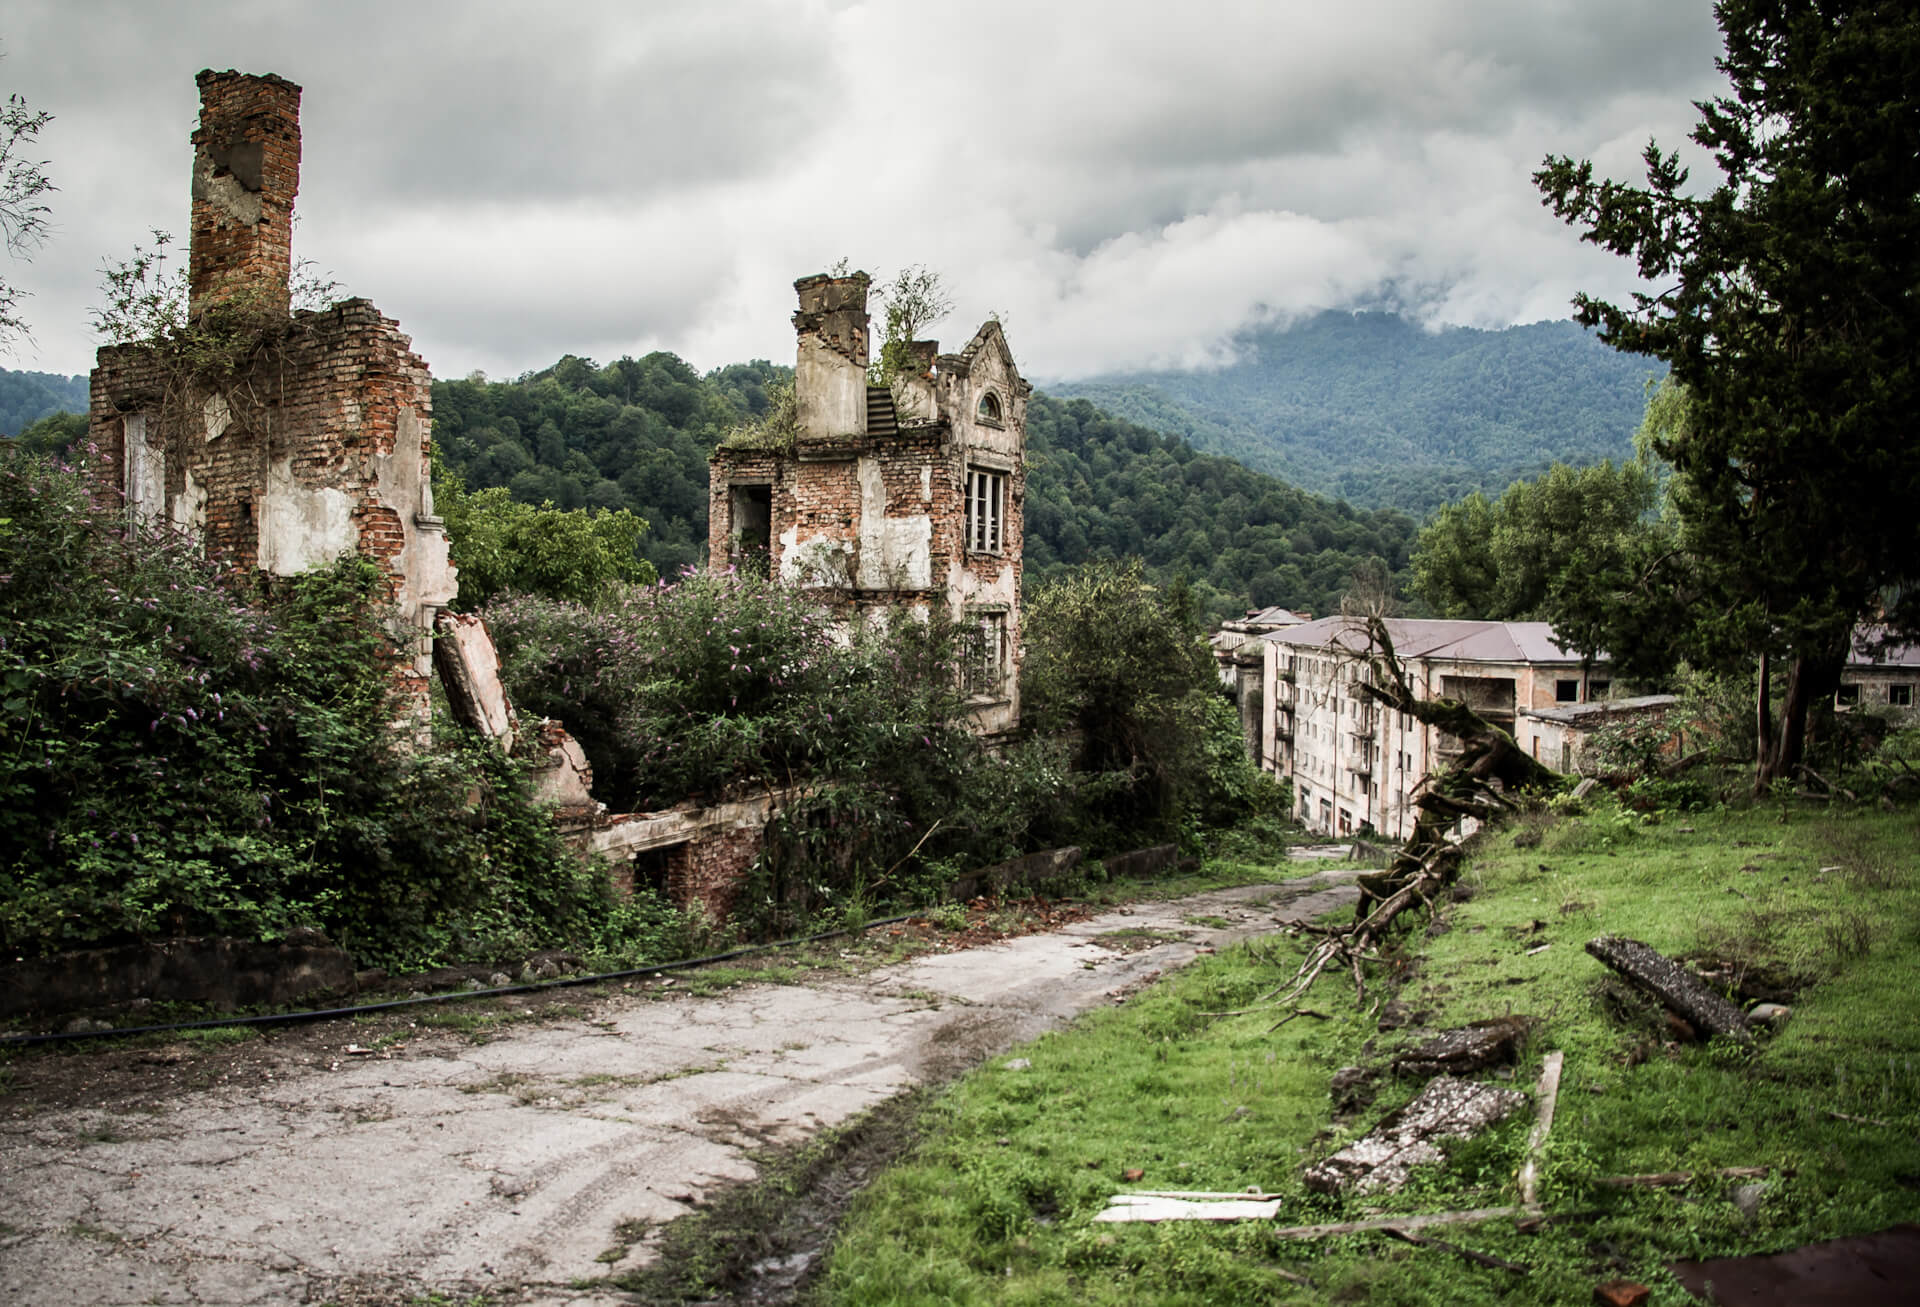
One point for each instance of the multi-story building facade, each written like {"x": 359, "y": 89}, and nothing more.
{"x": 905, "y": 496}
{"x": 1356, "y": 766}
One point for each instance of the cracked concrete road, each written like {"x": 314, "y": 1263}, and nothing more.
{"x": 526, "y": 1165}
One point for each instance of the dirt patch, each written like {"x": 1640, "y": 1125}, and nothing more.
{"x": 765, "y": 1242}
{"x": 1137, "y": 939}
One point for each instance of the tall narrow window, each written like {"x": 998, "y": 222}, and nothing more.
{"x": 985, "y": 669}
{"x": 986, "y": 511}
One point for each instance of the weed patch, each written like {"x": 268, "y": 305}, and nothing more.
{"x": 996, "y": 1205}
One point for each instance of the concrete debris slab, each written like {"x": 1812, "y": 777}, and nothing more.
{"x": 1447, "y": 1108}
{"x": 1675, "y": 986}
{"x": 1154, "y": 1208}
{"x": 1470, "y": 1048}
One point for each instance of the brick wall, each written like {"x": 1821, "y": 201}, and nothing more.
{"x": 710, "y": 869}
{"x": 246, "y": 171}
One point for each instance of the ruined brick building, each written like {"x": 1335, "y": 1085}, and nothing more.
{"x": 904, "y": 496}
{"x": 285, "y": 439}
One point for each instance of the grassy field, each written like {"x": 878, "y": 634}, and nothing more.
{"x": 995, "y": 1205}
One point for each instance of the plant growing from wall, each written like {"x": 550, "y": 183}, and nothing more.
{"x": 915, "y": 299}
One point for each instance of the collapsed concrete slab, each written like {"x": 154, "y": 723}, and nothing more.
{"x": 1676, "y": 987}
{"x": 1447, "y": 1108}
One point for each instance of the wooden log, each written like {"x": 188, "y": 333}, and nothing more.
{"x": 1545, "y": 1097}
{"x": 1397, "y": 1223}
{"x": 1675, "y": 986}
{"x": 1673, "y": 1179}
{"x": 1482, "y": 1259}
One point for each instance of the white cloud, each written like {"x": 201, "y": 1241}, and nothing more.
{"x": 1127, "y": 185}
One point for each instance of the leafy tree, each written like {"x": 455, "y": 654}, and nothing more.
{"x": 1786, "y": 308}
{"x": 185, "y": 749}
{"x": 1121, "y": 667}
{"x": 23, "y": 210}
{"x": 1529, "y": 554}
{"x": 500, "y": 545}
{"x": 915, "y": 299}
{"x": 57, "y": 433}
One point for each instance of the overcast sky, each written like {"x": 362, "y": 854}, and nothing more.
{"x": 1126, "y": 184}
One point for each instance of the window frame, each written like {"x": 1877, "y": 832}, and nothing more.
{"x": 984, "y": 519}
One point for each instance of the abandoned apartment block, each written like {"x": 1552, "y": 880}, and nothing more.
{"x": 1357, "y": 767}
{"x": 901, "y": 496}
{"x": 284, "y": 439}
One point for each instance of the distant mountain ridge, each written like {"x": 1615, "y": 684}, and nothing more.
{"x": 26, "y": 397}
{"x": 1380, "y": 412}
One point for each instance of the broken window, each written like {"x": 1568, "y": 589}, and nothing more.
{"x": 1847, "y": 694}
{"x": 984, "y": 669}
{"x": 990, "y": 408}
{"x": 1900, "y": 696}
{"x": 1566, "y": 692}
{"x": 1598, "y": 689}
{"x": 986, "y": 511}
{"x": 752, "y": 537}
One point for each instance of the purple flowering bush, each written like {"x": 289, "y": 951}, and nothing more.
{"x": 184, "y": 751}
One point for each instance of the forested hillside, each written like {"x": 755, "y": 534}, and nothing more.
{"x": 26, "y": 397}
{"x": 636, "y": 433}
{"x": 1377, "y": 411}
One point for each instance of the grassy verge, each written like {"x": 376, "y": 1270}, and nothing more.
{"x": 996, "y": 1205}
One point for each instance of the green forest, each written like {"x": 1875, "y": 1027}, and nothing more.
{"x": 635, "y": 434}
{"x": 1378, "y": 411}
{"x": 26, "y": 397}
{"x": 1241, "y": 482}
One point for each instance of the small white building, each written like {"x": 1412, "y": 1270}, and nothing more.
{"x": 1879, "y": 675}
{"x": 1356, "y": 766}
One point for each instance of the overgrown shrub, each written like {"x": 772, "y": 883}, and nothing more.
{"x": 186, "y": 751}
{"x": 1119, "y": 668}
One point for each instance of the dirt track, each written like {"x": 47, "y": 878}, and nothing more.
{"x": 287, "y": 1171}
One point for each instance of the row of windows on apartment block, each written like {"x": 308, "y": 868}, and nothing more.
{"x": 1898, "y": 695}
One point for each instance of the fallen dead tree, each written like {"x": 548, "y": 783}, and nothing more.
{"x": 1479, "y": 784}
{"x": 1676, "y": 987}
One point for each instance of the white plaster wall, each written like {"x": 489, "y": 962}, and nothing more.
{"x": 146, "y": 470}
{"x": 428, "y": 578}
{"x": 302, "y": 526}
{"x": 831, "y": 392}
{"x": 189, "y": 508}
{"x": 817, "y": 561}
{"x": 896, "y": 553}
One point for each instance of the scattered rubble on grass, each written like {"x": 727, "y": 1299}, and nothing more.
{"x": 1448, "y": 1108}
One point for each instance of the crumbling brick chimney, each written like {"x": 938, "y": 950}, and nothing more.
{"x": 830, "y": 374}
{"x": 246, "y": 169}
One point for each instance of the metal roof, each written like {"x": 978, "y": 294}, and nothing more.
{"x": 1416, "y": 637}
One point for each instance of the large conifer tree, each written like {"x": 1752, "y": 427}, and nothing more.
{"x": 1787, "y": 303}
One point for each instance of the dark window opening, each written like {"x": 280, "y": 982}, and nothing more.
{"x": 990, "y": 408}
{"x": 651, "y": 868}
{"x": 1847, "y": 694}
{"x": 1566, "y": 692}
{"x": 1900, "y": 696}
{"x": 1599, "y": 689}
{"x": 752, "y": 528}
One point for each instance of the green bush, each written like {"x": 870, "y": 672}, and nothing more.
{"x": 185, "y": 751}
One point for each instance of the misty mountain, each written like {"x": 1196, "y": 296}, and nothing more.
{"x": 1372, "y": 409}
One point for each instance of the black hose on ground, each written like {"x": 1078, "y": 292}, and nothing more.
{"x": 324, "y": 1014}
